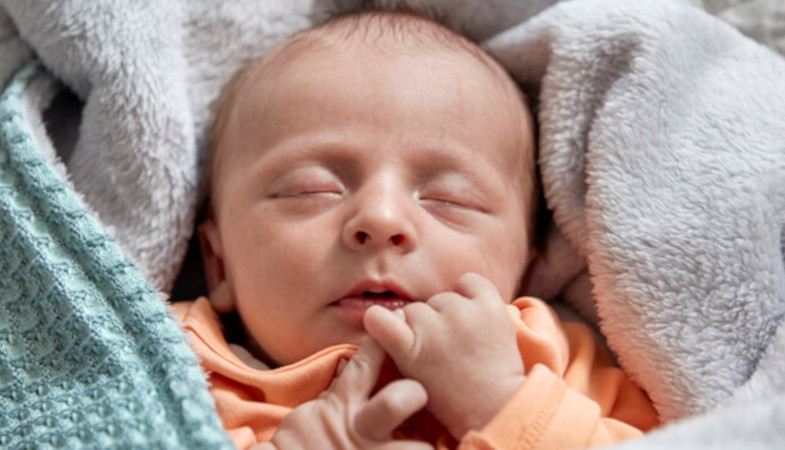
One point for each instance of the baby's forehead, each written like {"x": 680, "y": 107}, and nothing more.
{"x": 388, "y": 34}
{"x": 382, "y": 35}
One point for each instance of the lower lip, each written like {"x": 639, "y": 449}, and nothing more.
{"x": 354, "y": 307}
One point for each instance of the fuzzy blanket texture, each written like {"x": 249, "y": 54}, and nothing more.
{"x": 662, "y": 153}
{"x": 89, "y": 356}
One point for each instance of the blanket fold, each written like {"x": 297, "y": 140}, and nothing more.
{"x": 662, "y": 156}
{"x": 148, "y": 74}
{"x": 89, "y": 356}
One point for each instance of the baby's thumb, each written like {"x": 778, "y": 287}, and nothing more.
{"x": 357, "y": 378}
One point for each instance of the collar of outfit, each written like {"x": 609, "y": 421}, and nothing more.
{"x": 573, "y": 396}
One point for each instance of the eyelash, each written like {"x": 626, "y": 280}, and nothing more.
{"x": 303, "y": 193}
{"x": 444, "y": 201}
{"x": 459, "y": 205}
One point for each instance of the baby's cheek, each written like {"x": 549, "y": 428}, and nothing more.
{"x": 503, "y": 270}
{"x": 510, "y": 268}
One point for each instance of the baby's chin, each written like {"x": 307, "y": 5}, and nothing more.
{"x": 327, "y": 344}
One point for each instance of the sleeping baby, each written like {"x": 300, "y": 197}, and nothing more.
{"x": 372, "y": 196}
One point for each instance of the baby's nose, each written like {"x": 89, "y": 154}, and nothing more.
{"x": 381, "y": 222}
{"x": 363, "y": 237}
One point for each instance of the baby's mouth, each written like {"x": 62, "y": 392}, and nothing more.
{"x": 372, "y": 292}
{"x": 385, "y": 294}
{"x": 387, "y": 299}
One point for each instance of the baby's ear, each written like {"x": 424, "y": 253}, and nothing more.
{"x": 212, "y": 257}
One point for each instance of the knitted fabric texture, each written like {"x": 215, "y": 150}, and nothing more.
{"x": 89, "y": 355}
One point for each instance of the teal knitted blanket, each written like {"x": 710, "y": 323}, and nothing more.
{"x": 89, "y": 356}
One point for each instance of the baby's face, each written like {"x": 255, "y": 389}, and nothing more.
{"x": 357, "y": 178}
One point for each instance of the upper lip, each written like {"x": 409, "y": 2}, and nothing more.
{"x": 379, "y": 287}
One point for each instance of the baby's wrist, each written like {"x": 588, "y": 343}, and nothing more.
{"x": 485, "y": 407}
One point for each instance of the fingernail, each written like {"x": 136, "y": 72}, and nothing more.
{"x": 400, "y": 313}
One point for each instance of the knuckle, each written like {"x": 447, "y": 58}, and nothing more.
{"x": 415, "y": 311}
{"x": 444, "y": 298}
{"x": 361, "y": 363}
{"x": 469, "y": 276}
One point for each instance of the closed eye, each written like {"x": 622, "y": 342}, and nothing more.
{"x": 452, "y": 192}
{"x": 445, "y": 202}
{"x": 306, "y": 202}
{"x": 452, "y": 203}
{"x": 307, "y": 192}
{"x": 304, "y": 182}
{"x": 306, "y": 195}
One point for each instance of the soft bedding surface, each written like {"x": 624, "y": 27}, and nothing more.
{"x": 662, "y": 158}
{"x": 89, "y": 356}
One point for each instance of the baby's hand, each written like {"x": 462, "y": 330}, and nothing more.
{"x": 460, "y": 345}
{"x": 345, "y": 417}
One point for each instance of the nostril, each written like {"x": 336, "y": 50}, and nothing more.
{"x": 363, "y": 237}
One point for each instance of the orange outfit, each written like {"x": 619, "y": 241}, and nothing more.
{"x": 573, "y": 396}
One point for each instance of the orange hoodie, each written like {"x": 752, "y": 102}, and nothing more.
{"x": 573, "y": 396}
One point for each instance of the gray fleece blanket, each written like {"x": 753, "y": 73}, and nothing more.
{"x": 662, "y": 152}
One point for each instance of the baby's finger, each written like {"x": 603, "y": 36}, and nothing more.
{"x": 441, "y": 301}
{"x": 341, "y": 364}
{"x": 359, "y": 376}
{"x": 389, "y": 329}
{"x": 389, "y": 408}
{"x": 473, "y": 286}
